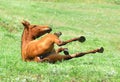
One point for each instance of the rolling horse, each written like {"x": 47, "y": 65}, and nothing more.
{"x": 42, "y": 50}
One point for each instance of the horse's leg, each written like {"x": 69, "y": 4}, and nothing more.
{"x": 99, "y": 50}
{"x": 65, "y": 50}
{"x": 80, "y": 39}
{"x": 54, "y": 58}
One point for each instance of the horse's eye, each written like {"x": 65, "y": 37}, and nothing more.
{"x": 35, "y": 26}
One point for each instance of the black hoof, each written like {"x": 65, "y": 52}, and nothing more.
{"x": 82, "y": 39}
{"x": 66, "y": 52}
{"x": 101, "y": 50}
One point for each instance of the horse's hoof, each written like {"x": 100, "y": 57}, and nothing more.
{"x": 101, "y": 50}
{"x": 82, "y": 39}
{"x": 66, "y": 51}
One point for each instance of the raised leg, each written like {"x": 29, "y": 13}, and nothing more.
{"x": 80, "y": 39}
{"x": 54, "y": 58}
{"x": 99, "y": 50}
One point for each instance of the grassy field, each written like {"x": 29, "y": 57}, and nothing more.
{"x": 98, "y": 21}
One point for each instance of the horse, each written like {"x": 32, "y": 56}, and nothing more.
{"x": 42, "y": 50}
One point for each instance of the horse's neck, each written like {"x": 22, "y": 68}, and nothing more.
{"x": 26, "y": 38}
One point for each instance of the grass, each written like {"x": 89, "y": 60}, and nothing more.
{"x": 99, "y": 22}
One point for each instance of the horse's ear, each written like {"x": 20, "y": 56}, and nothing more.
{"x": 25, "y": 23}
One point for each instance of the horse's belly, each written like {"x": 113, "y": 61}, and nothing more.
{"x": 37, "y": 50}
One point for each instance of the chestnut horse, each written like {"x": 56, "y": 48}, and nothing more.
{"x": 43, "y": 49}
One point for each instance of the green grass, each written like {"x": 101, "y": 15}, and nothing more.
{"x": 99, "y": 22}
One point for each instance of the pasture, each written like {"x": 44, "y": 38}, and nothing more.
{"x": 99, "y": 22}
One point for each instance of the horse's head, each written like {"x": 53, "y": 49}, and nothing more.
{"x": 36, "y": 31}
